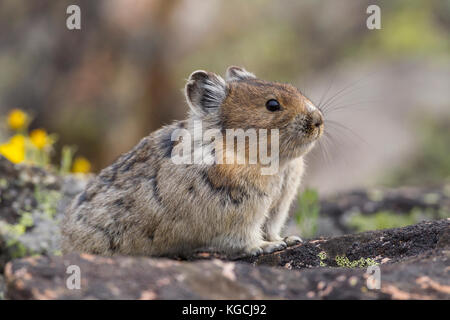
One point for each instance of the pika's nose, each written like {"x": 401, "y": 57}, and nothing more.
{"x": 317, "y": 119}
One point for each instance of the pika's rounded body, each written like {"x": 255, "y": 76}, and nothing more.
{"x": 147, "y": 204}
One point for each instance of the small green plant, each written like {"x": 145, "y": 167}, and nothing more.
{"x": 322, "y": 256}
{"x": 344, "y": 262}
{"x": 307, "y": 214}
{"x": 67, "y": 154}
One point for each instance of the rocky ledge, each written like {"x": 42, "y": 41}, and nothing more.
{"x": 412, "y": 262}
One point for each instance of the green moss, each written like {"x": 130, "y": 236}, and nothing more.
{"x": 307, "y": 214}
{"x": 382, "y": 220}
{"x": 3, "y": 183}
{"x": 47, "y": 201}
{"x": 16, "y": 249}
{"x": 322, "y": 256}
{"x": 388, "y": 219}
{"x": 26, "y": 220}
{"x": 344, "y": 262}
{"x": 12, "y": 230}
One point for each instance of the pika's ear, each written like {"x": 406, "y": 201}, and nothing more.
{"x": 205, "y": 92}
{"x": 237, "y": 73}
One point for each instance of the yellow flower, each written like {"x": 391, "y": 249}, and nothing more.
{"x": 17, "y": 119}
{"x": 14, "y": 149}
{"x": 81, "y": 165}
{"x": 40, "y": 138}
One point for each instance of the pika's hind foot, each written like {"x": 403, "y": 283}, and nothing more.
{"x": 292, "y": 240}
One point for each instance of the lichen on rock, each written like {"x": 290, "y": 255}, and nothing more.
{"x": 32, "y": 202}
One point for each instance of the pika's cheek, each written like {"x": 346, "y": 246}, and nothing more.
{"x": 294, "y": 122}
{"x": 294, "y": 131}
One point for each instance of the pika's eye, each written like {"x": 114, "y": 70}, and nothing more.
{"x": 273, "y": 105}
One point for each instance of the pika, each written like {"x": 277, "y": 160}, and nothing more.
{"x": 145, "y": 204}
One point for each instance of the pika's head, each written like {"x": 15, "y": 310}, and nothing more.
{"x": 242, "y": 101}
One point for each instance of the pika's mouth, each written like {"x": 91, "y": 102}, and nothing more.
{"x": 313, "y": 131}
{"x": 315, "y": 125}
{"x": 304, "y": 130}
{"x": 312, "y": 136}
{"x": 320, "y": 131}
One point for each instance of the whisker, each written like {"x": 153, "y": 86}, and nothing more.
{"x": 326, "y": 91}
{"x": 338, "y": 141}
{"x": 334, "y": 95}
{"x": 327, "y": 143}
{"x": 338, "y": 96}
{"x": 345, "y": 128}
{"x": 343, "y": 90}
{"x": 323, "y": 151}
{"x": 326, "y": 146}
{"x": 350, "y": 106}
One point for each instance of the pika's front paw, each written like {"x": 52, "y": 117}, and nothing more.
{"x": 273, "y": 246}
{"x": 292, "y": 240}
{"x": 266, "y": 247}
{"x": 254, "y": 251}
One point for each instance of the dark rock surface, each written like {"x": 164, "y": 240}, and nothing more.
{"x": 391, "y": 246}
{"x": 413, "y": 262}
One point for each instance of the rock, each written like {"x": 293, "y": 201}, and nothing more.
{"x": 413, "y": 262}
{"x": 32, "y": 201}
{"x": 335, "y": 211}
{"x": 393, "y": 245}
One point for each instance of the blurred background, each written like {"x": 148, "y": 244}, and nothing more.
{"x": 104, "y": 87}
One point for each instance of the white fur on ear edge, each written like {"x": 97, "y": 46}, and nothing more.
{"x": 237, "y": 73}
